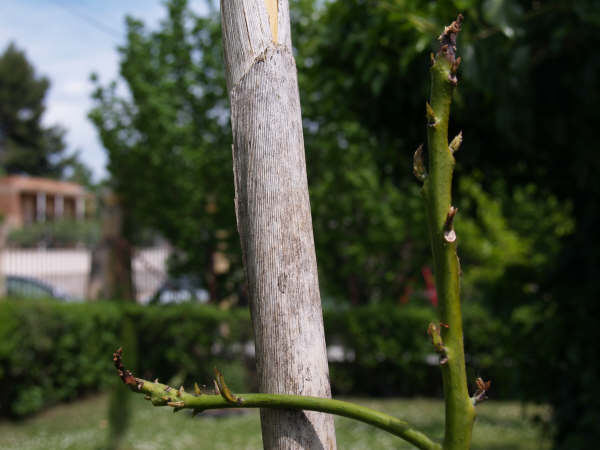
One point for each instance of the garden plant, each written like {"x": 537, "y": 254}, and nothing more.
{"x": 445, "y": 332}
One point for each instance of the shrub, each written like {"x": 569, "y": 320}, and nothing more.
{"x": 52, "y": 351}
{"x": 388, "y": 351}
{"x": 57, "y": 234}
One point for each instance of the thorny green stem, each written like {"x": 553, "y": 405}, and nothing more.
{"x": 162, "y": 395}
{"x": 437, "y": 190}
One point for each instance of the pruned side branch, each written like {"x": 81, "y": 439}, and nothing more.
{"x": 163, "y": 395}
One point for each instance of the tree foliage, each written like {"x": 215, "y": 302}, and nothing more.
{"x": 362, "y": 82}
{"x": 528, "y": 210}
{"x": 26, "y": 145}
{"x": 168, "y": 140}
{"x": 526, "y": 102}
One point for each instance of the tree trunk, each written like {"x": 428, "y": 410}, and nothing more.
{"x": 111, "y": 276}
{"x": 274, "y": 219}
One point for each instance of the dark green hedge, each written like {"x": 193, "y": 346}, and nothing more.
{"x": 51, "y": 352}
{"x": 392, "y": 354}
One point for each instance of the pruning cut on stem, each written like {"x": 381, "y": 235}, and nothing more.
{"x": 163, "y": 395}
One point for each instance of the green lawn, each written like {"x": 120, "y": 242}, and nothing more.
{"x": 82, "y": 425}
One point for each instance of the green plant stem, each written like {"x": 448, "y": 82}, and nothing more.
{"x": 460, "y": 412}
{"x": 279, "y": 401}
{"x": 164, "y": 395}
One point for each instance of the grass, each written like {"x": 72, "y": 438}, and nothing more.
{"x": 83, "y": 425}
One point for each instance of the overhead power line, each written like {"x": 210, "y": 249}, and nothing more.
{"x": 113, "y": 32}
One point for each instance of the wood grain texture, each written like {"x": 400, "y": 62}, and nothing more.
{"x": 274, "y": 221}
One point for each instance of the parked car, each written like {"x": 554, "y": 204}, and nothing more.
{"x": 180, "y": 290}
{"x": 25, "y": 287}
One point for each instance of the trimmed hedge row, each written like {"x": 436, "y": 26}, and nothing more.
{"x": 392, "y": 354}
{"x": 51, "y": 352}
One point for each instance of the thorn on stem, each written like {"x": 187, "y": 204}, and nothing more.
{"x": 482, "y": 388}
{"x": 418, "y": 165}
{"x": 450, "y": 236}
{"x": 436, "y": 339}
{"x": 449, "y": 233}
{"x": 455, "y": 65}
{"x": 456, "y": 142}
{"x": 432, "y": 120}
{"x": 197, "y": 389}
{"x": 225, "y": 392}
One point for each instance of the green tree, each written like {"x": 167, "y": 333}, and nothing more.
{"x": 362, "y": 80}
{"x": 370, "y": 234}
{"x": 169, "y": 144}
{"x": 365, "y": 207}
{"x": 527, "y": 102}
{"x": 26, "y": 146}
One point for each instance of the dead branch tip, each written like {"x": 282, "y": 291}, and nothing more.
{"x": 448, "y": 40}
{"x": 125, "y": 374}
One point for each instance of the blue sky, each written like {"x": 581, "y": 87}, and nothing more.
{"x": 67, "y": 40}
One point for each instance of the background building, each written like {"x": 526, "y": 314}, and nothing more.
{"x": 25, "y": 200}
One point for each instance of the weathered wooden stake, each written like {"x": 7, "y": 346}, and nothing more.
{"x": 274, "y": 219}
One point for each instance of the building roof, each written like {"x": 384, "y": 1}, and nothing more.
{"x": 25, "y": 183}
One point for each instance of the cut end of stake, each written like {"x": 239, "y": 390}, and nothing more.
{"x": 273, "y": 11}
